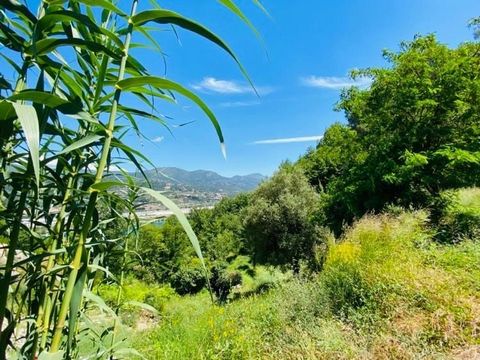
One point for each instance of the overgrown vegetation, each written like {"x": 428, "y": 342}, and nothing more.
{"x": 367, "y": 246}
{"x": 394, "y": 283}
{"x": 385, "y": 292}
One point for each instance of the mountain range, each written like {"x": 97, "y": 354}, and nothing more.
{"x": 199, "y": 187}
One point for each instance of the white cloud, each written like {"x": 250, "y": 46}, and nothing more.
{"x": 210, "y": 84}
{"x": 239, "y": 103}
{"x": 290, "y": 140}
{"x": 331, "y": 82}
{"x": 157, "y": 139}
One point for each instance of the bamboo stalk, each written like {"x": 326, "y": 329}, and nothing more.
{"x": 7, "y": 277}
{"x": 76, "y": 263}
{"x": 43, "y": 320}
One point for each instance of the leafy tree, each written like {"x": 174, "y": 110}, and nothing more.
{"x": 413, "y": 133}
{"x": 279, "y": 222}
{"x": 220, "y": 230}
{"x": 160, "y": 251}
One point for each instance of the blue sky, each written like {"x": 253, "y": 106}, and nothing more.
{"x": 309, "y": 48}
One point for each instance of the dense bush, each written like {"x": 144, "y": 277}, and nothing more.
{"x": 458, "y": 215}
{"x": 190, "y": 278}
{"x": 280, "y": 220}
{"x": 220, "y": 230}
{"x": 387, "y": 273}
{"x": 223, "y": 280}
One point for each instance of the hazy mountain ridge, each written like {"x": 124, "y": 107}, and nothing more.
{"x": 170, "y": 178}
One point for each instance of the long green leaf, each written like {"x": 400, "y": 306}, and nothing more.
{"x": 39, "y": 97}
{"x": 170, "y": 17}
{"x": 48, "y": 99}
{"x": 27, "y": 116}
{"x": 107, "y": 5}
{"x": 68, "y": 16}
{"x": 48, "y": 45}
{"x": 229, "y": 4}
{"x": 105, "y": 185}
{"x": 182, "y": 219}
{"x": 136, "y": 82}
{"x": 85, "y": 141}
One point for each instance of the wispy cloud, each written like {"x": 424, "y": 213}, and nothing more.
{"x": 239, "y": 103}
{"x": 336, "y": 83}
{"x": 290, "y": 140}
{"x": 210, "y": 84}
{"x": 157, "y": 139}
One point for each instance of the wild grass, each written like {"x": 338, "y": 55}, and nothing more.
{"x": 387, "y": 291}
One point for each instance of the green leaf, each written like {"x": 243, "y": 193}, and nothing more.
{"x": 48, "y": 45}
{"x": 27, "y": 116}
{"x": 136, "y": 82}
{"x": 85, "y": 141}
{"x": 142, "y": 306}
{"x": 105, "y": 185}
{"x": 261, "y": 7}
{"x": 68, "y": 16}
{"x": 182, "y": 219}
{"x": 98, "y": 301}
{"x": 107, "y": 5}
{"x": 170, "y": 17}
{"x": 7, "y": 112}
{"x": 229, "y": 4}
{"x": 39, "y": 97}
{"x": 48, "y": 99}
{"x": 75, "y": 305}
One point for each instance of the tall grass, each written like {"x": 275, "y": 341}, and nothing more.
{"x": 64, "y": 114}
{"x": 387, "y": 291}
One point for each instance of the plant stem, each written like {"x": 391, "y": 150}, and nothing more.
{"x": 44, "y": 312}
{"x": 12, "y": 246}
{"x": 120, "y": 288}
{"x": 76, "y": 263}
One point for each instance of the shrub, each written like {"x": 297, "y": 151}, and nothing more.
{"x": 280, "y": 220}
{"x": 373, "y": 263}
{"x": 189, "y": 279}
{"x": 222, "y": 280}
{"x": 459, "y": 215}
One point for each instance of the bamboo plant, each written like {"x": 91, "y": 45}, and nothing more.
{"x": 61, "y": 129}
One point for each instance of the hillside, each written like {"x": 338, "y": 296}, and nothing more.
{"x": 199, "y": 187}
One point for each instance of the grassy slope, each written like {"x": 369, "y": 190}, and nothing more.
{"x": 387, "y": 291}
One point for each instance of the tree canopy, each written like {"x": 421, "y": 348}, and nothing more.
{"x": 411, "y": 134}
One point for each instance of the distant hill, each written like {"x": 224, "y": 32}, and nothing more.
{"x": 203, "y": 180}
{"x": 199, "y": 187}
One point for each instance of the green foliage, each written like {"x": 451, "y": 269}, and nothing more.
{"x": 387, "y": 291}
{"x": 458, "y": 216}
{"x": 135, "y": 293}
{"x": 412, "y": 134}
{"x": 189, "y": 278}
{"x": 279, "y": 221}
{"x": 387, "y": 275}
{"x": 220, "y": 230}
{"x": 159, "y": 251}
{"x": 223, "y": 279}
